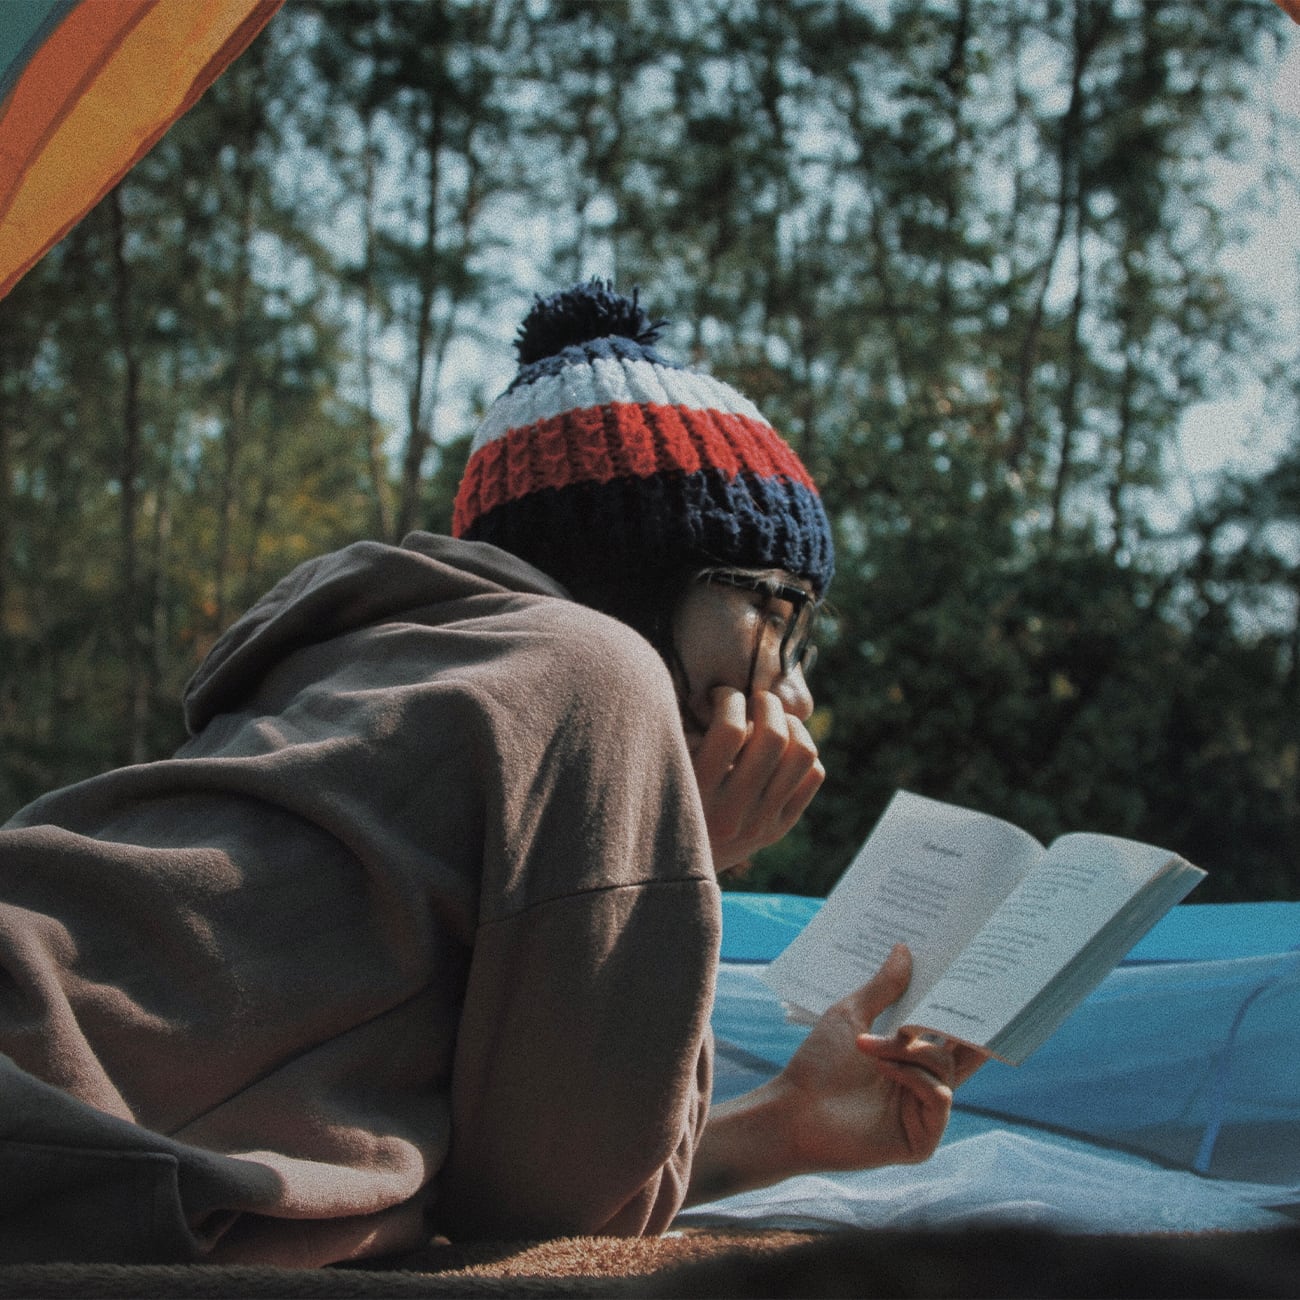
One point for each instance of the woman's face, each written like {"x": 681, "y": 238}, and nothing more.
{"x": 747, "y": 632}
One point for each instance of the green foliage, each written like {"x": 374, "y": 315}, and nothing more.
{"x": 966, "y": 254}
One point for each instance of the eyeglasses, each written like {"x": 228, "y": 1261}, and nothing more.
{"x": 796, "y": 648}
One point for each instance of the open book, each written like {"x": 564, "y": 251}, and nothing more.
{"x": 1007, "y": 936}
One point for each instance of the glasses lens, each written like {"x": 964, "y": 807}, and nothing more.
{"x": 797, "y": 649}
{"x": 809, "y": 660}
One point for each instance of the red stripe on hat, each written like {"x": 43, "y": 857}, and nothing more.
{"x": 620, "y": 440}
{"x": 736, "y": 444}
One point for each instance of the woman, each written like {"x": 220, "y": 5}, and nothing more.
{"x": 417, "y": 933}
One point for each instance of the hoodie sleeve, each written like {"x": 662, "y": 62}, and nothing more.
{"x": 583, "y": 1059}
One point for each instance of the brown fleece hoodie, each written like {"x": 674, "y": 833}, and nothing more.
{"x": 416, "y": 934}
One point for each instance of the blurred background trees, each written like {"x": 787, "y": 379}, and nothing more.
{"x": 971, "y": 256}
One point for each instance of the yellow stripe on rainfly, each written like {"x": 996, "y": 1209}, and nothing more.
{"x": 122, "y": 81}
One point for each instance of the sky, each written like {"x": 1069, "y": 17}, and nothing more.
{"x": 1238, "y": 430}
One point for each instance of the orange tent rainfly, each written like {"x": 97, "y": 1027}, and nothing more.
{"x": 87, "y": 87}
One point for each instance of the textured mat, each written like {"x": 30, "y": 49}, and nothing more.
{"x": 999, "y": 1262}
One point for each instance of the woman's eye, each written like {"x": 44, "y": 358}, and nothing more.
{"x": 779, "y": 620}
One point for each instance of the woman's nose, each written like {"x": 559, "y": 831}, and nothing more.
{"x": 792, "y": 690}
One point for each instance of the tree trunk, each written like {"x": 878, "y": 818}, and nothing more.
{"x": 376, "y": 459}
{"x": 418, "y": 436}
{"x": 1069, "y": 409}
{"x": 6, "y": 494}
{"x": 953, "y": 77}
{"x": 1090, "y": 22}
{"x": 1118, "y": 492}
{"x": 136, "y": 700}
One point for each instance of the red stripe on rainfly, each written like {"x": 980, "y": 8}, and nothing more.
{"x": 622, "y": 440}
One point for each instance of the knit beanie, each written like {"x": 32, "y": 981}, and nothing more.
{"x": 613, "y": 469}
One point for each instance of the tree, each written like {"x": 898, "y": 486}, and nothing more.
{"x": 426, "y": 79}
{"x": 965, "y": 254}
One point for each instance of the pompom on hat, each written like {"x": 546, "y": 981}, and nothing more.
{"x": 605, "y": 464}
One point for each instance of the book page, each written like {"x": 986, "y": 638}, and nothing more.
{"x": 928, "y": 876}
{"x": 1081, "y": 883}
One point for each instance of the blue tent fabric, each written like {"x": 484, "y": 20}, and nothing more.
{"x": 1220, "y": 931}
{"x": 758, "y": 927}
{"x": 1176, "y": 1085}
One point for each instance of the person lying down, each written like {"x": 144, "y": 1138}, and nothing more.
{"x": 417, "y": 933}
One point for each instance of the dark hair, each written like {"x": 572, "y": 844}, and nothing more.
{"x": 646, "y": 602}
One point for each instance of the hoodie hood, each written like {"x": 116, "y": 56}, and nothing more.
{"x": 361, "y": 584}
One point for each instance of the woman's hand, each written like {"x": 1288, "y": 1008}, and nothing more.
{"x": 848, "y": 1099}
{"x": 860, "y": 1100}
{"x": 757, "y": 770}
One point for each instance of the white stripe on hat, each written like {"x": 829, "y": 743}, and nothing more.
{"x": 604, "y": 381}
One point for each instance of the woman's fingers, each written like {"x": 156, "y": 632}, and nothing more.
{"x": 925, "y": 1071}
{"x": 776, "y": 758}
{"x": 944, "y": 1059}
{"x": 757, "y": 770}
{"x": 911, "y": 1053}
{"x": 882, "y": 990}
{"x": 968, "y": 1060}
{"x": 764, "y": 751}
{"x": 800, "y": 778}
{"x": 716, "y": 749}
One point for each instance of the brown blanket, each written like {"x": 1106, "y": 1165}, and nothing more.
{"x": 987, "y": 1262}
